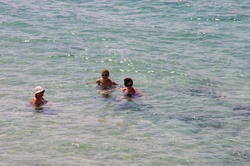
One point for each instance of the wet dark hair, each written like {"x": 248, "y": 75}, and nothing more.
{"x": 127, "y": 80}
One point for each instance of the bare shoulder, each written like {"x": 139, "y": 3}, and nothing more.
{"x": 138, "y": 91}
{"x": 98, "y": 81}
{"x": 123, "y": 89}
{"x": 33, "y": 101}
{"x": 113, "y": 82}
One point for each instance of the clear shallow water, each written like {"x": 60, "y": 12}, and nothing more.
{"x": 190, "y": 59}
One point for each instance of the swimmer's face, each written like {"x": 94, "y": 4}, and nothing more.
{"x": 105, "y": 75}
{"x": 40, "y": 94}
{"x": 129, "y": 85}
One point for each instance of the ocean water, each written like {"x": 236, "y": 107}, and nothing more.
{"x": 189, "y": 58}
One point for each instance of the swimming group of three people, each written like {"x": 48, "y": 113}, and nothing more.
{"x": 105, "y": 85}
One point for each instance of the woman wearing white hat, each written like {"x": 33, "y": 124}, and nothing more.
{"x": 38, "y": 100}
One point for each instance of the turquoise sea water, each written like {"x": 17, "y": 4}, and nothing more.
{"x": 190, "y": 59}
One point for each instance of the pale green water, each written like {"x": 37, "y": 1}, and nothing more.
{"x": 190, "y": 59}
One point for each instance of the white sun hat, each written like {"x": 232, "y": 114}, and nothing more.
{"x": 39, "y": 89}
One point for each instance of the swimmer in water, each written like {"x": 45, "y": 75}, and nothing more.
{"x": 104, "y": 81}
{"x": 129, "y": 90}
{"x": 37, "y": 101}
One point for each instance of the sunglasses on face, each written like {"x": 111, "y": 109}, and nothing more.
{"x": 129, "y": 85}
{"x": 105, "y": 75}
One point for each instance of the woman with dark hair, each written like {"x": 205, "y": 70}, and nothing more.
{"x": 129, "y": 90}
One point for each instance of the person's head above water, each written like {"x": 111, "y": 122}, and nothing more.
{"x": 128, "y": 82}
{"x": 105, "y": 73}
